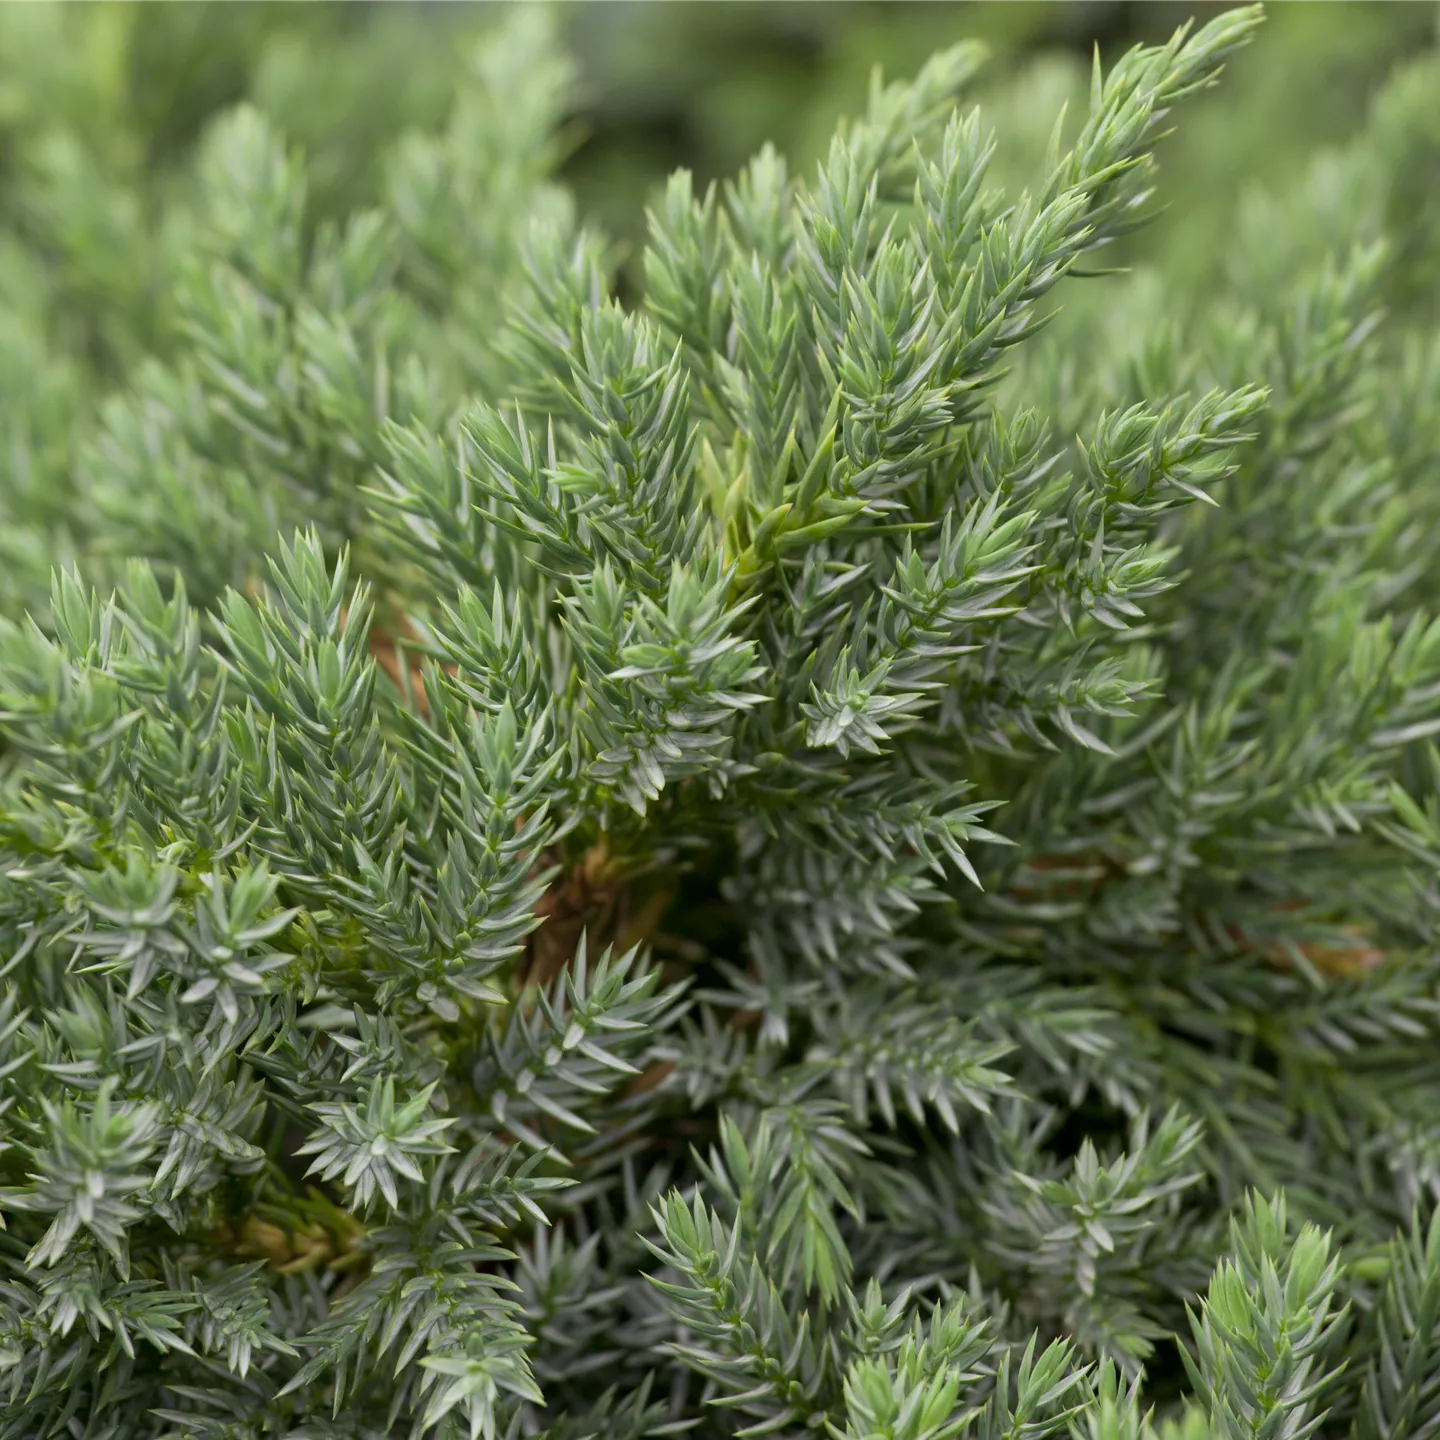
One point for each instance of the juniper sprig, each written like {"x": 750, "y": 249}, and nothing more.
{"x": 848, "y": 847}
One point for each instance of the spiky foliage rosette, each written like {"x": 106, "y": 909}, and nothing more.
{"x": 813, "y": 856}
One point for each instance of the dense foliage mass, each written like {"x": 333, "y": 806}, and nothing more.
{"x": 840, "y": 850}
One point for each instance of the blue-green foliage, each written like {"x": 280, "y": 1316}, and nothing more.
{"x": 841, "y": 849}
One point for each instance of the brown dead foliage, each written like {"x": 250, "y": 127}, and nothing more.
{"x": 590, "y": 898}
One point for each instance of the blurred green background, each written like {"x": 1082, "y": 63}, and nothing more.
{"x": 702, "y": 85}
{"x": 112, "y": 96}
{"x": 660, "y": 83}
